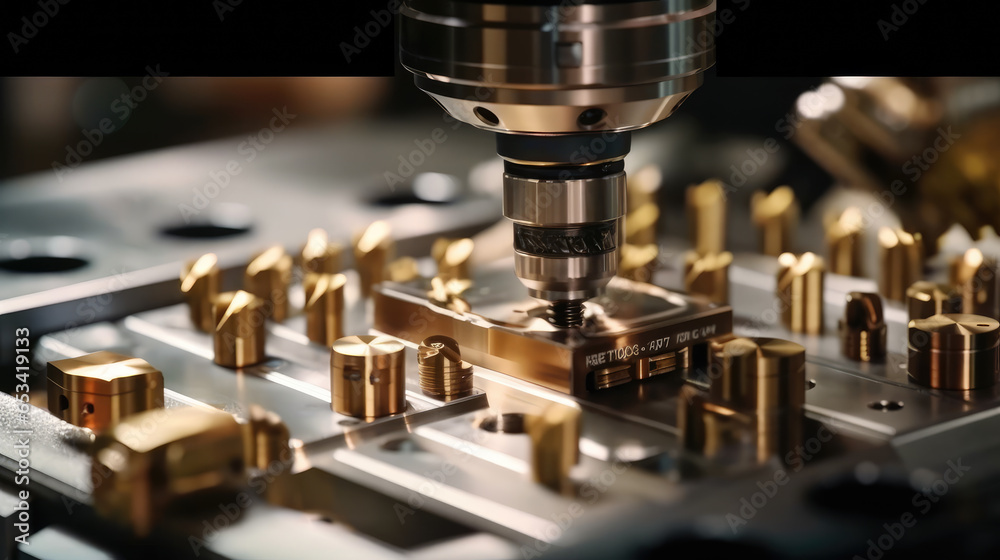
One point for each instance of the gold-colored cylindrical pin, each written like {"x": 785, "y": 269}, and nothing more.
{"x": 99, "y": 390}
{"x": 843, "y": 239}
{"x": 373, "y": 248}
{"x": 324, "y": 307}
{"x": 638, "y": 262}
{"x": 800, "y": 290}
{"x": 975, "y": 278}
{"x": 267, "y": 277}
{"x": 902, "y": 258}
{"x": 443, "y": 374}
{"x": 863, "y": 330}
{"x": 708, "y": 275}
{"x": 924, "y": 299}
{"x": 957, "y": 351}
{"x": 706, "y": 215}
{"x": 555, "y": 445}
{"x": 403, "y": 269}
{"x": 239, "y": 329}
{"x": 199, "y": 284}
{"x": 368, "y": 376}
{"x": 777, "y": 216}
{"x": 320, "y": 255}
{"x": 452, "y": 257}
{"x": 266, "y": 441}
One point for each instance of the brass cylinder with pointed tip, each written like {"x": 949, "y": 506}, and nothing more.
{"x": 800, "y": 290}
{"x": 320, "y": 255}
{"x": 555, "y": 445}
{"x": 452, "y": 257}
{"x": 708, "y": 275}
{"x": 843, "y": 239}
{"x": 902, "y": 261}
{"x": 957, "y": 351}
{"x": 368, "y": 376}
{"x": 373, "y": 249}
{"x": 324, "y": 307}
{"x": 443, "y": 374}
{"x": 200, "y": 284}
{"x": 267, "y": 277}
{"x": 239, "y": 334}
{"x": 777, "y": 216}
{"x": 863, "y": 329}
{"x": 706, "y": 215}
{"x": 924, "y": 299}
{"x": 975, "y": 278}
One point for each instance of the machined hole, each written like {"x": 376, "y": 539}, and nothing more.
{"x": 487, "y": 116}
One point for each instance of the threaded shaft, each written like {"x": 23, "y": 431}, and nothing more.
{"x": 566, "y": 314}
{"x": 443, "y": 374}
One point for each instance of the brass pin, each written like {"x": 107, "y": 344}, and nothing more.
{"x": 265, "y": 440}
{"x": 975, "y": 278}
{"x": 800, "y": 289}
{"x": 954, "y": 352}
{"x": 319, "y": 255}
{"x": 708, "y": 275}
{"x": 777, "y": 216}
{"x": 403, "y": 269}
{"x": 638, "y": 262}
{"x": 843, "y": 238}
{"x": 199, "y": 284}
{"x": 452, "y": 257}
{"x": 924, "y": 299}
{"x": 902, "y": 257}
{"x": 369, "y": 379}
{"x": 373, "y": 248}
{"x": 706, "y": 214}
{"x": 863, "y": 329}
{"x": 555, "y": 445}
{"x": 324, "y": 307}
{"x": 267, "y": 277}
{"x": 239, "y": 329}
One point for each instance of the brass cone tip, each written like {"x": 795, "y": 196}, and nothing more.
{"x": 324, "y": 307}
{"x": 99, "y": 390}
{"x": 368, "y": 376}
{"x": 373, "y": 248}
{"x": 975, "y": 279}
{"x": 957, "y": 351}
{"x": 319, "y": 255}
{"x": 708, "y": 275}
{"x": 777, "y": 216}
{"x": 239, "y": 334}
{"x": 199, "y": 284}
{"x": 902, "y": 258}
{"x": 443, "y": 374}
{"x": 638, "y": 262}
{"x": 863, "y": 329}
{"x": 800, "y": 290}
{"x": 555, "y": 445}
{"x": 453, "y": 258}
{"x": 843, "y": 238}
{"x": 268, "y": 276}
{"x": 706, "y": 214}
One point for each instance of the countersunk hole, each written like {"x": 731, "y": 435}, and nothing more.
{"x": 63, "y": 402}
{"x": 401, "y": 445}
{"x": 204, "y": 231}
{"x": 486, "y": 116}
{"x": 591, "y": 117}
{"x": 42, "y": 263}
{"x": 885, "y": 406}
{"x": 88, "y": 408}
{"x": 510, "y": 423}
{"x": 810, "y": 384}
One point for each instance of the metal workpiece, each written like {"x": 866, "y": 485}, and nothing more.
{"x": 324, "y": 308}
{"x": 557, "y": 69}
{"x": 706, "y": 216}
{"x": 453, "y": 258}
{"x": 319, "y": 255}
{"x": 239, "y": 337}
{"x": 901, "y": 256}
{"x": 631, "y": 327}
{"x": 954, "y": 352}
{"x": 975, "y": 278}
{"x": 373, "y": 249}
{"x": 368, "y": 376}
{"x": 268, "y": 276}
{"x": 200, "y": 284}
{"x": 265, "y": 441}
{"x": 862, "y": 329}
{"x": 99, "y": 390}
{"x": 708, "y": 275}
{"x": 443, "y": 373}
{"x": 555, "y": 445}
{"x": 776, "y": 215}
{"x": 924, "y": 299}
{"x": 800, "y": 292}
{"x": 843, "y": 240}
